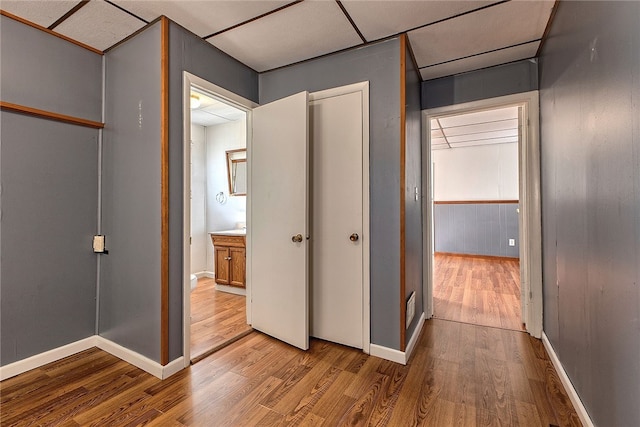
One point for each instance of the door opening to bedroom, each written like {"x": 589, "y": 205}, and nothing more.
{"x": 476, "y": 266}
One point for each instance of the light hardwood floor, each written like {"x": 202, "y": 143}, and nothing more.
{"x": 481, "y": 291}
{"x": 217, "y": 319}
{"x": 460, "y": 374}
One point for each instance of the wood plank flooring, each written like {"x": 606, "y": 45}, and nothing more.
{"x": 459, "y": 375}
{"x": 481, "y": 291}
{"x": 217, "y": 318}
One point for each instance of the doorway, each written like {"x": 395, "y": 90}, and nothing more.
{"x": 216, "y": 129}
{"x": 474, "y": 156}
{"x": 512, "y": 209}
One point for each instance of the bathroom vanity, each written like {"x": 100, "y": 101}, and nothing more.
{"x": 229, "y": 248}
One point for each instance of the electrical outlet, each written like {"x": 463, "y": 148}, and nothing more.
{"x": 98, "y": 244}
{"x": 411, "y": 309}
{"x": 512, "y": 242}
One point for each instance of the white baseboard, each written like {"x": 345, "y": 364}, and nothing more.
{"x": 201, "y": 274}
{"x": 387, "y": 353}
{"x": 129, "y": 356}
{"x": 231, "y": 289}
{"x": 24, "y": 365}
{"x": 136, "y": 359}
{"x": 414, "y": 338}
{"x": 566, "y": 382}
{"x": 397, "y": 355}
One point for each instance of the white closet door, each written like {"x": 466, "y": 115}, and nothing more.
{"x": 279, "y": 220}
{"x": 337, "y": 219}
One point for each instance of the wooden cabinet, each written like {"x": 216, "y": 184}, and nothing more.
{"x": 229, "y": 259}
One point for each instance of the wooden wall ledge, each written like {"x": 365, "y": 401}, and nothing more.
{"x": 16, "y": 108}
{"x": 472, "y": 202}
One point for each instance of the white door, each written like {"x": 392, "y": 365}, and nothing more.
{"x": 278, "y": 213}
{"x": 337, "y": 220}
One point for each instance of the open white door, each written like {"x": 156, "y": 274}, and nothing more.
{"x": 279, "y": 203}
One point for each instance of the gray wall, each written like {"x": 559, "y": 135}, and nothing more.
{"x": 380, "y": 65}
{"x": 130, "y": 273}
{"x": 507, "y": 79}
{"x": 590, "y": 136}
{"x": 49, "y": 199}
{"x": 476, "y": 228}
{"x": 55, "y": 75}
{"x": 188, "y": 52}
{"x": 413, "y": 179}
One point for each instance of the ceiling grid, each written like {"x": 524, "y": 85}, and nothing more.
{"x": 446, "y": 37}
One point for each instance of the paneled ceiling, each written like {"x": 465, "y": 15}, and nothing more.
{"x": 207, "y": 111}
{"x": 496, "y": 126}
{"x": 447, "y": 37}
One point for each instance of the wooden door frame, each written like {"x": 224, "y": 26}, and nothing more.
{"x": 363, "y": 89}
{"x": 236, "y": 101}
{"x": 530, "y": 232}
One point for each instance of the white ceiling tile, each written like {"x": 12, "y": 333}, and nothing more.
{"x": 203, "y": 118}
{"x": 300, "y": 32}
{"x": 483, "y": 127}
{"x": 212, "y": 112}
{"x": 201, "y": 17}
{"x": 43, "y": 13}
{"x": 510, "y": 133}
{"x": 494, "y": 126}
{"x": 436, "y": 133}
{"x": 478, "y": 117}
{"x": 99, "y": 24}
{"x": 495, "y": 27}
{"x": 508, "y": 140}
{"x": 525, "y": 51}
{"x": 378, "y": 19}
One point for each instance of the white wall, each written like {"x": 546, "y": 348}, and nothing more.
{"x": 219, "y": 139}
{"x": 486, "y": 172}
{"x": 198, "y": 200}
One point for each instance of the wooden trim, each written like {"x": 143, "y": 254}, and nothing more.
{"x": 255, "y": 18}
{"x": 48, "y": 31}
{"x": 476, "y": 256}
{"x": 164, "y": 191}
{"x": 16, "y": 108}
{"x": 67, "y": 15}
{"x": 545, "y": 35}
{"x": 351, "y": 21}
{"x": 473, "y": 202}
{"x": 403, "y": 178}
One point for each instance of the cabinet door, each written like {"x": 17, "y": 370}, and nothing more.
{"x": 237, "y": 266}
{"x": 222, "y": 264}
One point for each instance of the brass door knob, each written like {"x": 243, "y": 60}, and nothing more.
{"x": 297, "y": 238}
{"x": 354, "y": 237}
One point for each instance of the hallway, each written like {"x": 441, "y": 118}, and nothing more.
{"x": 459, "y": 374}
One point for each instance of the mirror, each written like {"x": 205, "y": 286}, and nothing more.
{"x": 237, "y": 172}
